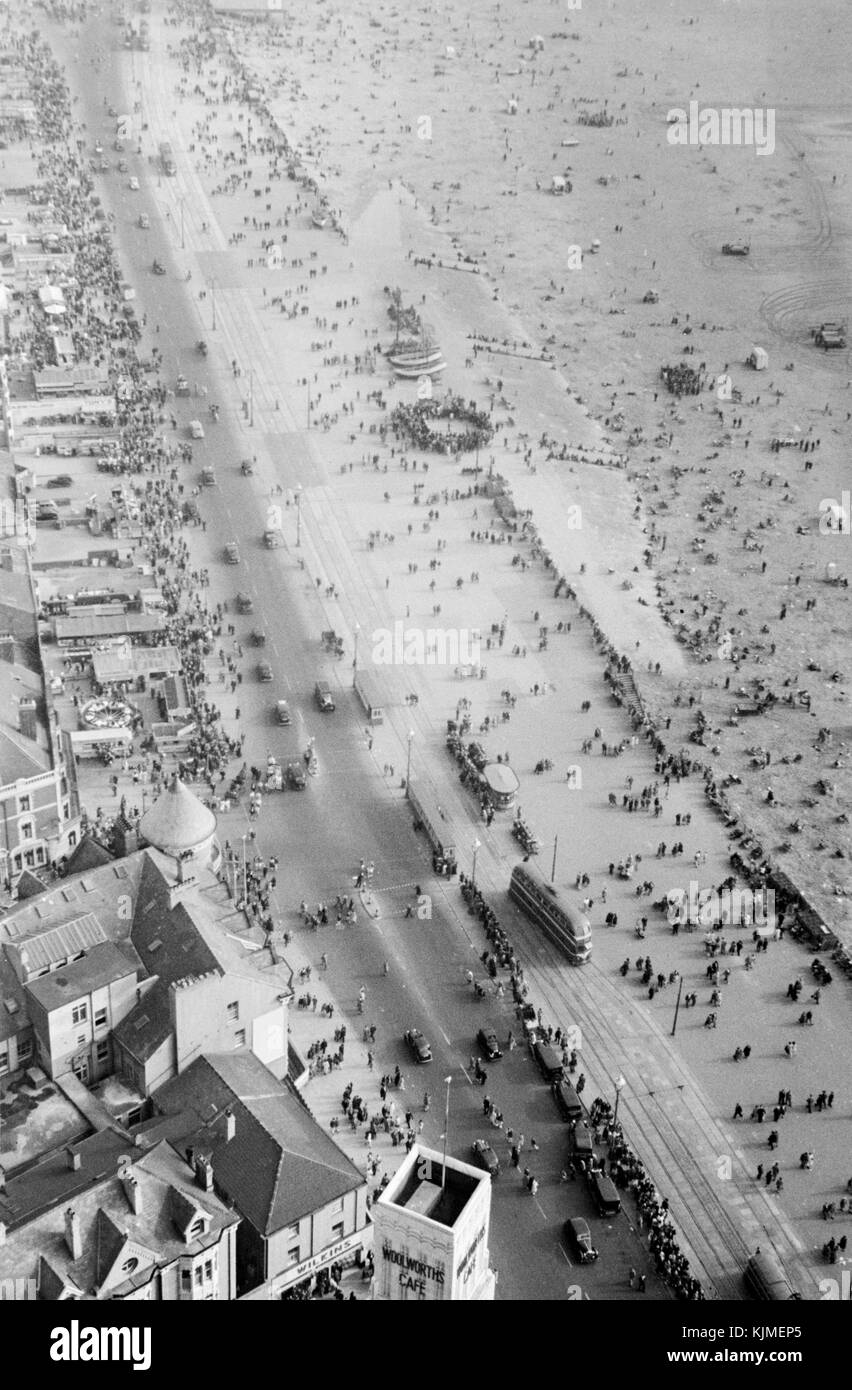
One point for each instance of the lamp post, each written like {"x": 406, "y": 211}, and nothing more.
{"x": 447, "y": 1080}
{"x": 355, "y": 660}
{"x": 476, "y": 848}
{"x": 408, "y": 760}
{"x": 620, "y": 1084}
{"x": 299, "y": 515}
{"x": 245, "y": 879}
{"x": 553, "y": 866}
{"x": 213, "y": 300}
{"x": 677, "y": 1005}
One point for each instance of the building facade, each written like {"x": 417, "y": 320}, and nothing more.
{"x": 431, "y": 1233}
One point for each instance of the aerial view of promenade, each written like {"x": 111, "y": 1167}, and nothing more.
{"x": 425, "y": 718}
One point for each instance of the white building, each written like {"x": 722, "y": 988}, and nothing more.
{"x": 431, "y": 1232}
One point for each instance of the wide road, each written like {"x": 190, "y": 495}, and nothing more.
{"x": 350, "y": 810}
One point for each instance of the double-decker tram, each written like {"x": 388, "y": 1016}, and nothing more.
{"x": 549, "y": 909}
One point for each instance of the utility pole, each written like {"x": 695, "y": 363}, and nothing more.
{"x": 677, "y": 1005}
{"x": 251, "y": 397}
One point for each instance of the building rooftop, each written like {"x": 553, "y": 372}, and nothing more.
{"x": 177, "y": 820}
{"x": 281, "y": 1165}
{"x": 100, "y": 966}
{"x": 120, "y": 1249}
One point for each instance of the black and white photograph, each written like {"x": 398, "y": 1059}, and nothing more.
{"x": 425, "y": 670}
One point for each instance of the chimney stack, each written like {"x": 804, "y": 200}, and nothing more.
{"x": 27, "y": 717}
{"x": 73, "y": 1238}
{"x": 133, "y": 1191}
{"x": 72, "y": 1158}
{"x": 204, "y": 1173}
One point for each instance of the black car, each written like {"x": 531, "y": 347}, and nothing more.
{"x": 487, "y": 1039}
{"x": 580, "y": 1239}
{"x": 418, "y": 1046}
{"x": 485, "y": 1157}
{"x": 61, "y": 480}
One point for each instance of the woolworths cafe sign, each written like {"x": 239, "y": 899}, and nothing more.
{"x": 415, "y": 1276}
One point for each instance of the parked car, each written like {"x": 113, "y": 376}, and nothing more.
{"x": 418, "y": 1046}
{"x": 133, "y": 185}
{"x": 282, "y": 712}
{"x": 208, "y": 477}
{"x": 158, "y": 268}
{"x": 61, "y": 480}
{"x": 296, "y": 776}
{"x": 323, "y": 697}
{"x": 272, "y": 539}
{"x": 144, "y": 221}
{"x": 485, "y": 1157}
{"x": 579, "y": 1237}
{"x": 487, "y": 1039}
{"x": 264, "y": 671}
{"x": 244, "y": 604}
{"x": 196, "y": 429}
{"x": 122, "y": 166}
{"x": 232, "y": 554}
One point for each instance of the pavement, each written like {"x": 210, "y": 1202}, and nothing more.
{"x": 680, "y": 1092}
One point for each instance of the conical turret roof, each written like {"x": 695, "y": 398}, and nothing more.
{"x": 177, "y": 820}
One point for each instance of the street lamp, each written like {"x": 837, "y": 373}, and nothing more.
{"x": 447, "y": 1080}
{"x": 476, "y": 848}
{"x": 553, "y": 867}
{"x": 620, "y": 1084}
{"x": 355, "y": 661}
{"x": 299, "y": 515}
{"x": 213, "y": 298}
{"x": 408, "y": 761}
{"x": 677, "y": 1005}
{"x": 245, "y": 878}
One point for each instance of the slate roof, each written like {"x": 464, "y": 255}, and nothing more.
{"x": 281, "y": 1165}
{"x": 100, "y": 966}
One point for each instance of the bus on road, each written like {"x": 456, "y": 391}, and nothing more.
{"x": 567, "y": 928}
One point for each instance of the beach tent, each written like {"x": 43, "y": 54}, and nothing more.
{"x": 758, "y": 358}
{"x": 537, "y": 43}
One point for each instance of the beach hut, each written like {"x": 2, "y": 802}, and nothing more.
{"x": 537, "y": 43}
{"x": 558, "y": 184}
{"x": 758, "y": 358}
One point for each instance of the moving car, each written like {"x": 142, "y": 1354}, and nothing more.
{"x": 122, "y": 166}
{"x": 579, "y": 1237}
{"x": 257, "y": 638}
{"x": 133, "y": 185}
{"x": 485, "y": 1157}
{"x": 282, "y": 712}
{"x": 61, "y": 480}
{"x": 296, "y": 776}
{"x": 264, "y": 671}
{"x": 322, "y": 695}
{"x": 208, "y": 477}
{"x": 144, "y": 221}
{"x": 232, "y": 554}
{"x": 487, "y": 1039}
{"x": 158, "y": 268}
{"x": 244, "y": 604}
{"x": 181, "y": 386}
{"x": 196, "y": 429}
{"x": 418, "y": 1046}
{"x": 272, "y": 539}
